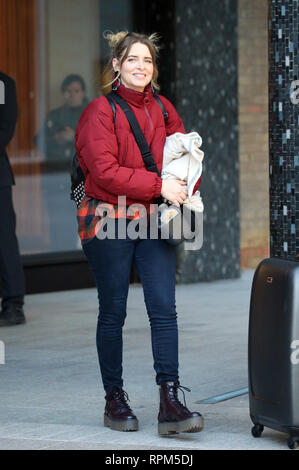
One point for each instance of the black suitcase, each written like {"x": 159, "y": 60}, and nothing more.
{"x": 273, "y": 348}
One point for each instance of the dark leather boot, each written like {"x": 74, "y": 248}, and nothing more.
{"x": 173, "y": 416}
{"x": 118, "y": 415}
{"x": 12, "y": 315}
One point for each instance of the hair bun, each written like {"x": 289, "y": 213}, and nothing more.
{"x": 114, "y": 38}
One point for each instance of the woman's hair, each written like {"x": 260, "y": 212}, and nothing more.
{"x": 120, "y": 44}
{"x": 70, "y": 79}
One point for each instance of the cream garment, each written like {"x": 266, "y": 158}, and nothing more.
{"x": 182, "y": 159}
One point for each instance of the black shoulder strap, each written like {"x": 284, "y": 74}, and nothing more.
{"x": 137, "y": 132}
{"x": 111, "y": 102}
{"x": 165, "y": 113}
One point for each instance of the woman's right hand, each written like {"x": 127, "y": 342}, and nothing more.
{"x": 174, "y": 191}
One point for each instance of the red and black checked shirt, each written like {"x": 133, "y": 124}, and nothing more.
{"x": 90, "y": 220}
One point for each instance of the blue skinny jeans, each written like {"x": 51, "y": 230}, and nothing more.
{"x": 155, "y": 261}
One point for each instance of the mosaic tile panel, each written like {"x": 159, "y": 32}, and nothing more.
{"x": 283, "y": 128}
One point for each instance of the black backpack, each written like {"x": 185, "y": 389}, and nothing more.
{"x": 77, "y": 175}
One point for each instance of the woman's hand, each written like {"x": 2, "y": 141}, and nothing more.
{"x": 174, "y": 191}
{"x": 66, "y": 135}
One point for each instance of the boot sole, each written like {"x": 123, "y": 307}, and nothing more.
{"x": 121, "y": 425}
{"x": 188, "y": 425}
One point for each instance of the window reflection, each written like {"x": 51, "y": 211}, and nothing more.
{"x": 66, "y": 54}
{"x": 55, "y": 139}
{"x": 55, "y": 142}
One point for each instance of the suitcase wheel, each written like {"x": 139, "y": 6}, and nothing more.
{"x": 293, "y": 442}
{"x": 257, "y": 430}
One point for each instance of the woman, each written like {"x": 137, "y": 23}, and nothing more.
{"x": 113, "y": 165}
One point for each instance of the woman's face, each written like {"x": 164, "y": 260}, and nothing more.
{"x": 74, "y": 94}
{"x": 137, "y": 70}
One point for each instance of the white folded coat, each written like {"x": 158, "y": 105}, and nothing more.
{"x": 182, "y": 159}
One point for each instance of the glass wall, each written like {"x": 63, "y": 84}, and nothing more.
{"x": 67, "y": 54}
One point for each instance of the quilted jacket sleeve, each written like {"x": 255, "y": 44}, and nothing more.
{"x": 175, "y": 124}
{"x": 97, "y": 147}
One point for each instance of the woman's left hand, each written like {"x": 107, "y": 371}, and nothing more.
{"x": 67, "y": 135}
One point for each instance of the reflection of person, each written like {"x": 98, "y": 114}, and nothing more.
{"x": 56, "y": 137}
{"x": 112, "y": 163}
{"x": 11, "y": 270}
{"x": 55, "y": 140}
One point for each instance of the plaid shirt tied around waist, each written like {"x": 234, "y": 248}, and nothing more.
{"x": 92, "y": 212}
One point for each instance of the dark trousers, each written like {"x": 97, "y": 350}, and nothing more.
{"x": 155, "y": 262}
{"x": 11, "y": 269}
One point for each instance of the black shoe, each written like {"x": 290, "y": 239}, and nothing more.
{"x": 118, "y": 415}
{"x": 12, "y": 315}
{"x": 174, "y": 417}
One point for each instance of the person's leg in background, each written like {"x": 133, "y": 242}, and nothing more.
{"x": 111, "y": 262}
{"x": 11, "y": 269}
{"x": 156, "y": 265}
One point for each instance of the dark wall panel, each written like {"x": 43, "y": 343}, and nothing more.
{"x": 207, "y": 99}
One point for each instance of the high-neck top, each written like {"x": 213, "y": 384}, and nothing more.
{"x": 136, "y": 98}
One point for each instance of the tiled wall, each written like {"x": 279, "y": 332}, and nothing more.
{"x": 206, "y": 98}
{"x": 283, "y": 127}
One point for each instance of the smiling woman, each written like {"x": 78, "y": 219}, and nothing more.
{"x": 133, "y": 60}
{"x": 137, "y": 70}
{"x": 113, "y": 168}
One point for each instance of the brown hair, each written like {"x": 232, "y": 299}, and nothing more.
{"x": 120, "y": 44}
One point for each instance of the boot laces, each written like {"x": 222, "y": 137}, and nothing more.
{"x": 182, "y": 388}
{"x": 121, "y": 397}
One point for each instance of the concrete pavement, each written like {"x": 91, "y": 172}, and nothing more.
{"x": 51, "y": 395}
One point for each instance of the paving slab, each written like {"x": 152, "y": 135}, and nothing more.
{"x": 51, "y": 394}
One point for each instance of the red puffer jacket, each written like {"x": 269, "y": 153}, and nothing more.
{"x": 109, "y": 151}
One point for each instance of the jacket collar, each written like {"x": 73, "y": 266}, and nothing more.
{"x": 136, "y": 98}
